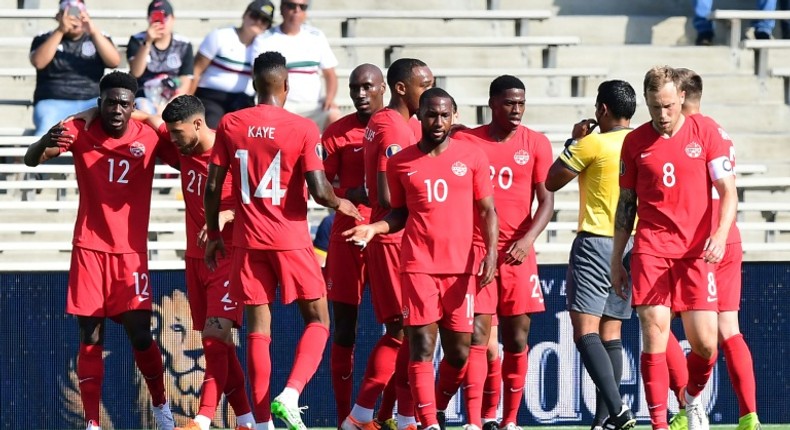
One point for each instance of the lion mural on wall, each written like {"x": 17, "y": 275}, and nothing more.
{"x": 184, "y": 363}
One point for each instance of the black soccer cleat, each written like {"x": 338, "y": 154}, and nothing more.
{"x": 625, "y": 420}
{"x": 491, "y": 425}
{"x": 442, "y": 418}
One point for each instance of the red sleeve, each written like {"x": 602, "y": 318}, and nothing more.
{"x": 332, "y": 161}
{"x": 627, "y": 165}
{"x": 219, "y": 154}
{"x": 397, "y": 192}
{"x": 481, "y": 176}
{"x": 313, "y": 155}
{"x": 391, "y": 139}
{"x": 543, "y": 159}
{"x": 165, "y": 148}
{"x": 717, "y": 140}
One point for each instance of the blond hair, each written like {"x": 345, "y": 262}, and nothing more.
{"x": 658, "y": 76}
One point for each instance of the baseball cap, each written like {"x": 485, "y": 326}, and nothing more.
{"x": 162, "y": 5}
{"x": 263, "y": 7}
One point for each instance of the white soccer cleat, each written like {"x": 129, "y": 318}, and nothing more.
{"x": 697, "y": 419}
{"x": 93, "y": 425}
{"x": 163, "y": 416}
{"x": 290, "y": 414}
{"x": 511, "y": 426}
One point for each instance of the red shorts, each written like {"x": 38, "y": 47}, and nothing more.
{"x": 682, "y": 284}
{"x": 446, "y": 299}
{"x": 383, "y": 260}
{"x": 345, "y": 273}
{"x": 102, "y": 284}
{"x": 487, "y": 296}
{"x": 728, "y": 278}
{"x": 208, "y": 292}
{"x": 257, "y": 273}
{"x": 519, "y": 287}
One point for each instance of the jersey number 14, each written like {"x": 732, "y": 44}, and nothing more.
{"x": 269, "y": 187}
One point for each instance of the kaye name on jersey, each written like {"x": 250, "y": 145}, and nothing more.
{"x": 262, "y": 132}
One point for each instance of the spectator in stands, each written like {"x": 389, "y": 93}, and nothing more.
{"x": 309, "y": 56}
{"x": 223, "y": 65}
{"x": 704, "y": 26}
{"x": 161, "y": 61}
{"x": 69, "y": 61}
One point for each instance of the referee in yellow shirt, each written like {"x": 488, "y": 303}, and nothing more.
{"x": 596, "y": 311}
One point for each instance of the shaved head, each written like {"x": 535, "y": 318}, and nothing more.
{"x": 366, "y": 87}
{"x": 367, "y": 69}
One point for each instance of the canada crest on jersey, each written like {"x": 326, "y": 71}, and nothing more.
{"x": 137, "y": 149}
{"x": 320, "y": 151}
{"x": 521, "y": 157}
{"x": 459, "y": 168}
{"x": 693, "y": 149}
{"x": 392, "y": 150}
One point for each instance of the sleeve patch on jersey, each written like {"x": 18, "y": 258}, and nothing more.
{"x": 567, "y": 153}
{"x": 392, "y": 150}
{"x": 720, "y": 167}
{"x": 521, "y": 157}
{"x": 88, "y": 49}
{"x": 320, "y": 151}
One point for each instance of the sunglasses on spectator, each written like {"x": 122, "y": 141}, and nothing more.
{"x": 293, "y": 6}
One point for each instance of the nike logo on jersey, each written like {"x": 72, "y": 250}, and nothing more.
{"x": 345, "y": 378}
{"x": 515, "y": 390}
{"x": 420, "y": 405}
{"x": 358, "y": 149}
{"x": 411, "y": 173}
{"x": 645, "y": 154}
{"x": 142, "y": 299}
{"x": 228, "y": 308}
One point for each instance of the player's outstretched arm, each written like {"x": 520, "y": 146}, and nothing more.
{"x": 211, "y": 201}
{"x": 490, "y": 230}
{"x": 48, "y": 146}
{"x": 324, "y": 195}
{"x": 716, "y": 245}
{"x": 624, "y": 225}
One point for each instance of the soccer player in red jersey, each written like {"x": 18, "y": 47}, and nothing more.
{"x": 667, "y": 164}
{"x": 345, "y": 268}
{"x": 271, "y": 152}
{"x": 519, "y": 162}
{"x": 114, "y": 162}
{"x": 436, "y": 187}
{"x": 214, "y": 311}
{"x": 728, "y": 281}
{"x": 389, "y": 131}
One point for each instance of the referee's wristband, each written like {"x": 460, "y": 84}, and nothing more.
{"x": 570, "y": 142}
{"x": 214, "y": 234}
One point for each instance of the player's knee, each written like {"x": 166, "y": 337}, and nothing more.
{"x": 456, "y": 357}
{"x": 141, "y": 340}
{"x": 394, "y": 329}
{"x": 345, "y": 338}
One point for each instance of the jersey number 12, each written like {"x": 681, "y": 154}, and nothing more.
{"x": 269, "y": 187}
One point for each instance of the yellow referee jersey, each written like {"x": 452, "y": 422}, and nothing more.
{"x": 596, "y": 158}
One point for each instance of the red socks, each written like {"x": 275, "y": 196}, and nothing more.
{"x": 150, "y": 364}
{"x": 90, "y": 372}
{"x": 656, "y": 379}
{"x": 492, "y": 389}
{"x": 741, "y": 370}
{"x": 387, "y": 402}
{"x": 422, "y": 384}
{"x": 450, "y": 379}
{"x": 235, "y": 389}
{"x": 678, "y": 369}
{"x": 514, "y": 375}
{"x": 699, "y": 372}
{"x": 475, "y": 378}
{"x": 259, "y": 369}
{"x": 216, "y": 375}
{"x": 342, "y": 369}
{"x": 309, "y": 352}
{"x": 379, "y": 370}
{"x": 402, "y": 388}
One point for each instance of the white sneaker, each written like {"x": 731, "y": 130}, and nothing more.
{"x": 510, "y": 426}
{"x": 697, "y": 419}
{"x": 470, "y": 427}
{"x": 93, "y": 425}
{"x": 290, "y": 414}
{"x": 163, "y": 416}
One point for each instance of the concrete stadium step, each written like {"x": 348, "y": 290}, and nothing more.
{"x": 619, "y": 7}
{"x": 619, "y": 29}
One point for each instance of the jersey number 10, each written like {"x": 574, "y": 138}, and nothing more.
{"x": 269, "y": 187}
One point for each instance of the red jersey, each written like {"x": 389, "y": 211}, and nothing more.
{"x": 673, "y": 178}
{"x": 516, "y": 167}
{"x": 734, "y": 236}
{"x": 440, "y": 194}
{"x": 345, "y": 159}
{"x": 115, "y": 178}
{"x": 268, "y": 151}
{"x": 386, "y": 135}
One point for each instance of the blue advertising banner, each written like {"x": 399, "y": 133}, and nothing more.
{"x": 38, "y": 349}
